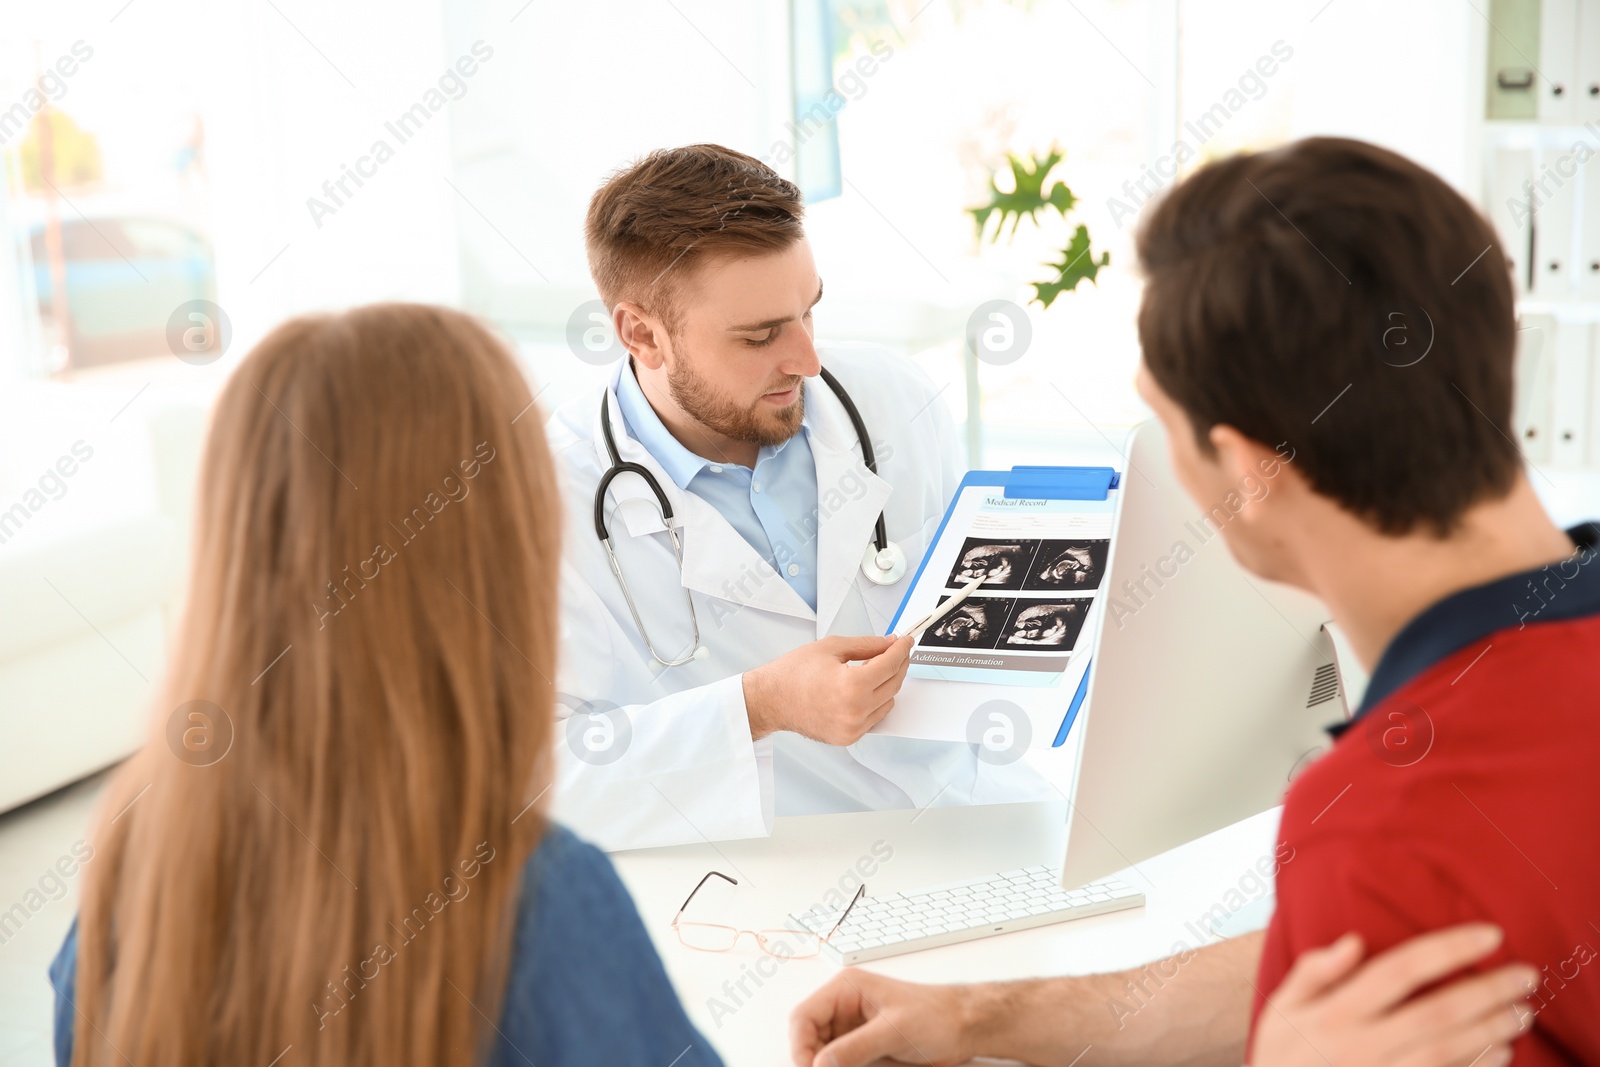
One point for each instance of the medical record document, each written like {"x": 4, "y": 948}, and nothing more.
{"x": 1032, "y": 619}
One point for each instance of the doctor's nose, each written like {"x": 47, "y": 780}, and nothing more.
{"x": 801, "y": 357}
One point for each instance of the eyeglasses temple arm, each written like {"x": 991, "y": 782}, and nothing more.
{"x": 696, "y": 889}
{"x": 859, "y": 894}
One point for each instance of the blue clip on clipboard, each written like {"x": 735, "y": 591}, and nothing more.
{"x": 1028, "y": 483}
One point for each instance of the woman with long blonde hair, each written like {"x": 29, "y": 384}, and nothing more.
{"x": 333, "y": 850}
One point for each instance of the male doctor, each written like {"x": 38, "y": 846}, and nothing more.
{"x": 702, "y": 695}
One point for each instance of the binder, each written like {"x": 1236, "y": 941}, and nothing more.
{"x": 1588, "y": 37}
{"x": 1569, "y": 443}
{"x": 1535, "y": 355}
{"x": 1018, "y": 483}
{"x": 1511, "y": 210}
{"x": 1513, "y": 83}
{"x": 1593, "y": 458}
{"x": 1588, "y": 255}
{"x": 1043, "y": 705}
{"x": 1558, "y": 61}
{"x": 1554, "y": 200}
{"x": 1072, "y": 709}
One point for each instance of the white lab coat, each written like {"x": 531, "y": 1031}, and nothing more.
{"x": 688, "y": 770}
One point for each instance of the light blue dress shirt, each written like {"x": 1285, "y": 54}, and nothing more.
{"x": 774, "y": 506}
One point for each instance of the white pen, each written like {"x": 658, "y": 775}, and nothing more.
{"x": 916, "y": 628}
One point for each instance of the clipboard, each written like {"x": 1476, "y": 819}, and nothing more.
{"x": 937, "y": 709}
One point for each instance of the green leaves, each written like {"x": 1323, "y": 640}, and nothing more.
{"x": 1033, "y": 192}
{"x": 1077, "y": 264}
{"x": 1029, "y": 196}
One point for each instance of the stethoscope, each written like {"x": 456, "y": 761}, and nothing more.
{"x": 882, "y": 562}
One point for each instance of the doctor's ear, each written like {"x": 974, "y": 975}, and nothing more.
{"x": 641, "y": 333}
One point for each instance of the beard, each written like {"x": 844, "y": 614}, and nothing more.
{"x": 700, "y": 400}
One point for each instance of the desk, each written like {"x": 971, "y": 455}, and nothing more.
{"x": 806, "y": 858}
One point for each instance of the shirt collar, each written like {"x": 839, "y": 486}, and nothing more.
{"x": 646, "y": 427}
{"x": 1556, "y": 592}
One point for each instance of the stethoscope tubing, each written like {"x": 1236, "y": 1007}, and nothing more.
{"x": 882, "y": 546}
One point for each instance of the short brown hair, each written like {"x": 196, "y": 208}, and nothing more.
{"x": 1282, "y": 288}
{"x": 652, "y": 223}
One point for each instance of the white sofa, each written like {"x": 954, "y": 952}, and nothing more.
{"x": 83, "y": 623}
{"x": 81, "y": 631}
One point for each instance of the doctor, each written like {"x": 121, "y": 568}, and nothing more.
{"x": 730, "y": 554}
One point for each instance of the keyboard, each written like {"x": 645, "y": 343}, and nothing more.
{"x": 963, "y": 911}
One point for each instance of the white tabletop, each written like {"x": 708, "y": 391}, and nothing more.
{"x": 807, "y": 857}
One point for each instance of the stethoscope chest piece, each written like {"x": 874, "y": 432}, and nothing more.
{"x": 885, "y": 565}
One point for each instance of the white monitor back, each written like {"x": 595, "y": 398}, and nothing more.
{"x": 1210, "y": 687}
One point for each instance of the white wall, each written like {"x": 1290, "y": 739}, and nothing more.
{"x": 584, "y": 89}
{"x": 294, "y": 100}
{"x": 1399, "y": 73}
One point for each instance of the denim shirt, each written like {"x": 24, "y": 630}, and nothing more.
{"x": 585, "y": 984}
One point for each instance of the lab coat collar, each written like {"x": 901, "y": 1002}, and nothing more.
{"x": 718, "y": 562}
{"x": 849, "y": 500}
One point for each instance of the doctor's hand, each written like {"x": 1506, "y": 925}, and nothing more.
{"x": 1329, "y": 1012}
{"x": 816, "y": 692}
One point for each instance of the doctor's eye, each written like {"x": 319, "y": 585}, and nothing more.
{"x": 762, "y": 342}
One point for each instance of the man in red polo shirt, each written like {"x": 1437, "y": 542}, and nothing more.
{"x": 1338, "y": 296}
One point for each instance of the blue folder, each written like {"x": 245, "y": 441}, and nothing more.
{"x": 1029, "y": 483}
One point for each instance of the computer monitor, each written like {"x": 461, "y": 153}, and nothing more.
{"x": 1210, "y": 687}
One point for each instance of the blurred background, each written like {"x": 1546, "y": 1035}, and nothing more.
{"x": 178, "y": 177}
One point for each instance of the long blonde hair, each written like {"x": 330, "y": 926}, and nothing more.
{"x": 318, "y": 854}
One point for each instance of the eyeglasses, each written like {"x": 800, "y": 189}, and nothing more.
{"x": 785, "y": 944}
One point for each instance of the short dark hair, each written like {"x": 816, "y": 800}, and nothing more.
{"x": 1337, "y": 296}
{"x": 652, "y": 223}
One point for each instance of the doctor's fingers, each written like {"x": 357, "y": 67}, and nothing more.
{"x": 878, "y": 714}
{"x": 892, "y": 661}
{"x": 891, "y": 685}
{"x": 847, "y": 649}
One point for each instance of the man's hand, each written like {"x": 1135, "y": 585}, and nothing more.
{"x": 859, "y": 1017}
{"x": 1327, "y": 1012}
{"x": 814, "y": 691}
{"x": 1330, "y": 1010}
